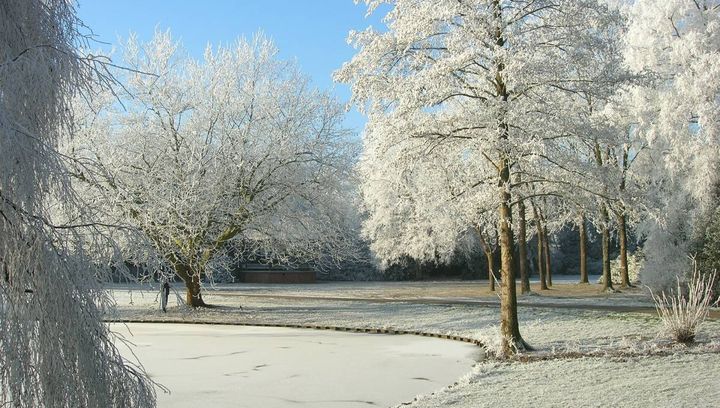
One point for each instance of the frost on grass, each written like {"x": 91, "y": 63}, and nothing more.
{"x": 671, "y": 381}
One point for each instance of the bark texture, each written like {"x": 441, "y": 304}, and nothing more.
{"x": 191, "y": 278}
{"x": 512, "y": 341}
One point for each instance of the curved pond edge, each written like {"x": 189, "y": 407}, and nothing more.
{"x": 366, "y": 330}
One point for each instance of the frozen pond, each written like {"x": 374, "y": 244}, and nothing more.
{"x": 236, "y": 366}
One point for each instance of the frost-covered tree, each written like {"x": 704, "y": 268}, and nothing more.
{"x": 624, "y": 158}
{"x": 55, "y": 351}
{"x": 596, "y": 159}
{"x": 676, "y": 44}
{"x": 495, "y": 75}
{"x": 423, "y": 210}
{"x": 235, "y": 156}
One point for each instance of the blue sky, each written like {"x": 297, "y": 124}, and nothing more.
{"x": 313, "y": 32}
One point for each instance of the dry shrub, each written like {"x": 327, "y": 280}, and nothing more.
{"x": 683, "y": 311}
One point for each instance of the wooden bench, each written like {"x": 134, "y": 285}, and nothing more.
{"x": 260, "y": 273}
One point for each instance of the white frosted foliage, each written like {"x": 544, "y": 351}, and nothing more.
{"x": 457, "y": 92}
{"x": 234, "y": 156}
{"x": 55, "y": 351}
{"x": 676, "y": 43}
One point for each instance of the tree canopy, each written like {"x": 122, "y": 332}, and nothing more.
{"x": 230, "y": 158}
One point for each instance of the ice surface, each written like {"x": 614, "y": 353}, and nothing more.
{"x": 233, "y": 366}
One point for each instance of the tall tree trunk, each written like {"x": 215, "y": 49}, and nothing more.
{"x": 546, "y": 247}
{"x": 522, "y": 250}
{"x": 622, "y": 237}
{"x": 490, "y": 256}
{"x": 607, "y": 276}
{"x": 511, "y": 340}
{"x": 583, "y": 250}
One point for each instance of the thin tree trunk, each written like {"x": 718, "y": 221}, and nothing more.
{"x": 489, "y": 255}
{"x": 607, "y": 276}
{"x": 622, "y": 237}
{"x": 546, "y": 247}
{"x": 540, "y": 262}
{"x": 540, "y": 251}
{"x": 583, "y": 250}
{"x": 522, "y": 250}
{"x": 491, "y": 270}
{"x": 622, "y": 225}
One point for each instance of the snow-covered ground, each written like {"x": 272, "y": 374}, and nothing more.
{"x": 232, "y": 366}
{"x": 557, "y": 332}
{"x": 658, "y": 382}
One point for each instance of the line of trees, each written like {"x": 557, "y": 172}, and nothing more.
{"x": 485, "y": 115}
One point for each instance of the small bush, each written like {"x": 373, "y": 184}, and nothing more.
{"x": 683, "y": 311}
